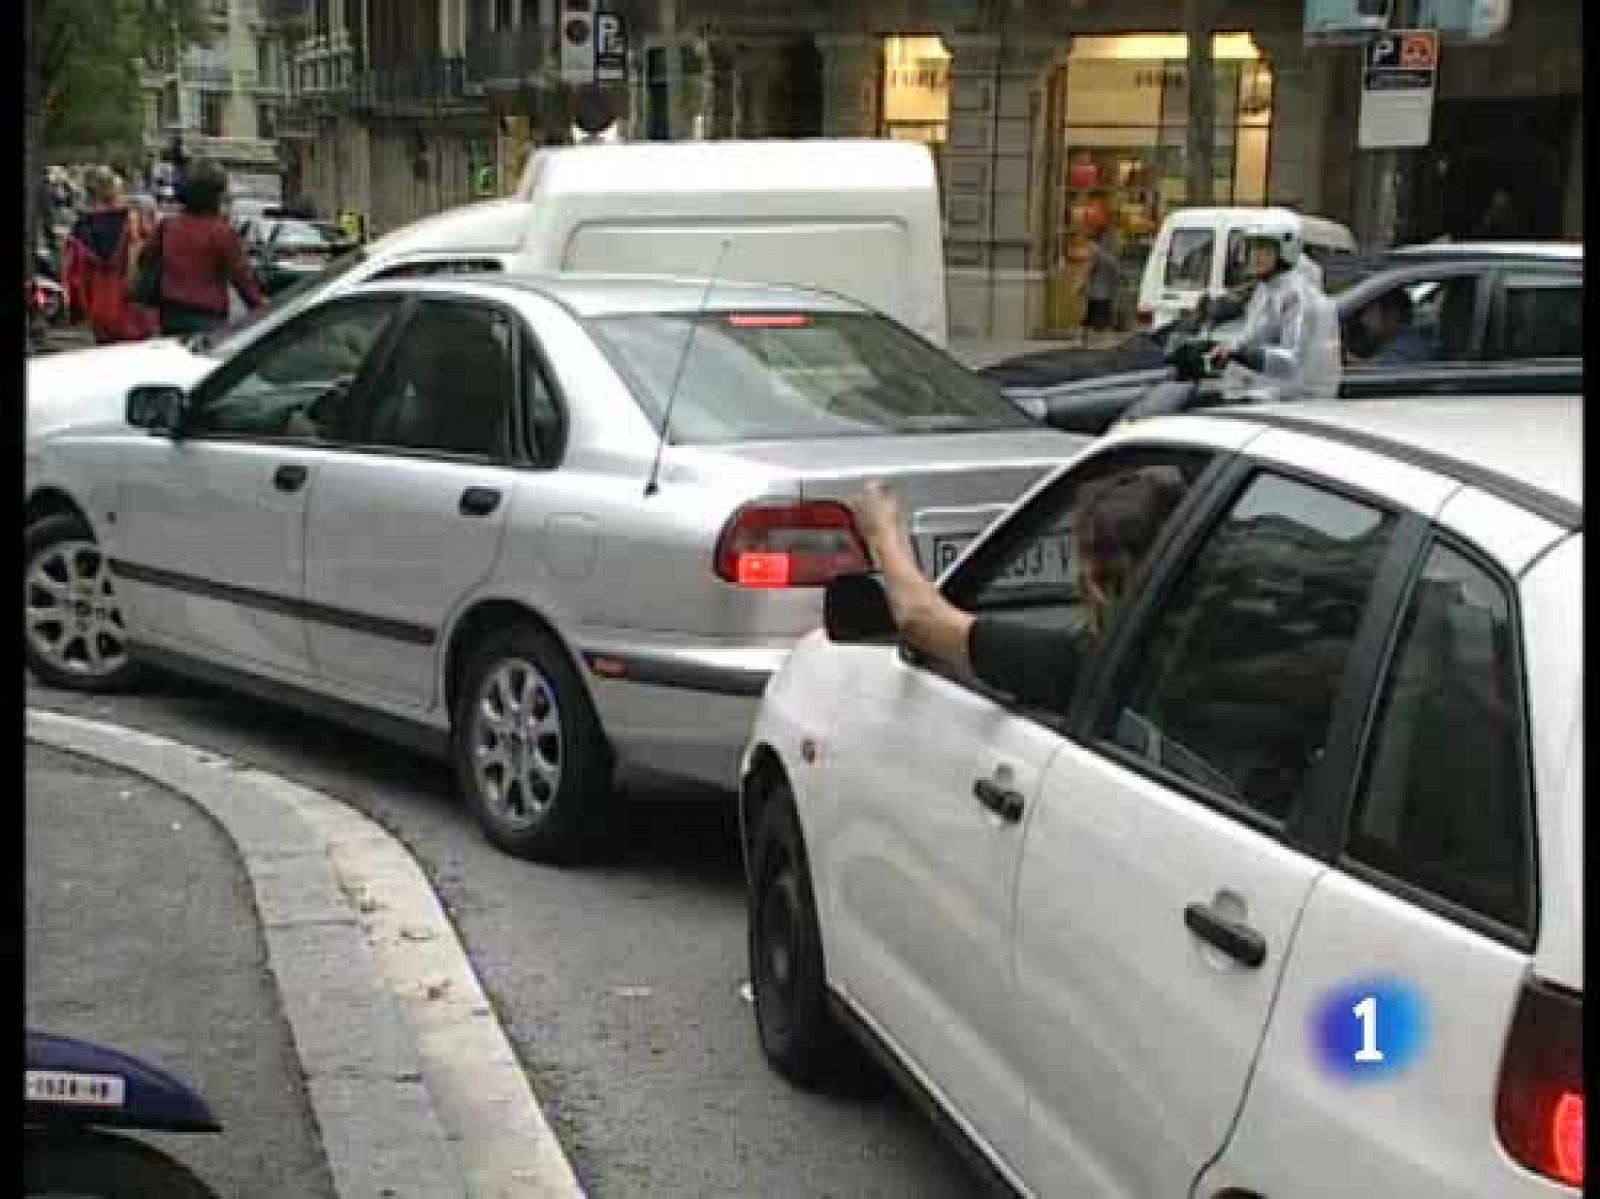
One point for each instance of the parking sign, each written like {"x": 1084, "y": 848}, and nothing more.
{"x": 610, "y": 48}
{"x": 1397, "y": 89}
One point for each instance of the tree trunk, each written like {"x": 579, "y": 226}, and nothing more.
{"x": 1201, "y": 149}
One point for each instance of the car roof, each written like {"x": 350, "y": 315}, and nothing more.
{"x": 598, "y": 295}
{"x": 1565, "y": 251}
{"x": 1528, "y": 449}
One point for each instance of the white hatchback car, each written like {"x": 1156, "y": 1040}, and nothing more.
{"x": 1284, "y": 895}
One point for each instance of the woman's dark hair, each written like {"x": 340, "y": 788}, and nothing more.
{"x": 204, "y": 185}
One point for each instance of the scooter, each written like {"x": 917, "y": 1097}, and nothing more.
{"x": 77, "y": 1093}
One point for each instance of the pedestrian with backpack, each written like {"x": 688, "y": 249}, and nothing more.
{"x": 101, "y": 250}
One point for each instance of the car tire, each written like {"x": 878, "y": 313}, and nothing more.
{"x": 74, "y": 637}
{"x": 799, "y": 1035}
{"x": 105, "y": 1164}
{"x": 528, "y": 749}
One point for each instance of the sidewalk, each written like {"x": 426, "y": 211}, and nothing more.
{"x": 393, "y": 1078}
{"x": 142, "y": 934}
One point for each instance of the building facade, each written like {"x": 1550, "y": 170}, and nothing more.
{"x": 218, "y": 99}
{"x": 1050, "y": 120}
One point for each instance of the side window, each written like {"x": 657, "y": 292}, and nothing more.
{"x": 1189, "y": 258}
{"x": 1543, "y": 318}
{"x": 295, "y": 384}
{"x": 546, "y": 424}
{"x": 1232, "y": 685}
{"x": 450, "y": 384}
{"x": 1065, "y": 564}
{"x": 1403, "y": 325}
{"x": 1444, "y": 800}
{"x": 443, "y": 266}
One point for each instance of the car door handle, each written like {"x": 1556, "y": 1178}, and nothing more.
{"x": 291, "y": 476}
{"x": 1239, "y": 941}
{"x": 1004, "y": 802}
{"x": 479, "y": 501}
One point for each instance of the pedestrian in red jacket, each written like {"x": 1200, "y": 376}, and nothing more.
{"x": 100, "y": 248}
{"x": 201, "y": 257}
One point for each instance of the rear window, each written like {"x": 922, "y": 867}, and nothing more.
{"x": 784, "y": 376}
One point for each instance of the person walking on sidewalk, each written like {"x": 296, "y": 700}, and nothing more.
{"x": 201, "y": 258}
{"x": 1101, "y": 292}
{"x": 102, "y": 244}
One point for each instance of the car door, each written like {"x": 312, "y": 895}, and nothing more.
{"x": 409, "y": 519}
{"x": 1167, "y": 863}
{"x": 212, "y": 523}
{"x": 933, "y": 783}
{"x": 1413, "y": 951}
{"x": 1534, "y": 341}
{"x": 1449, "y": 312}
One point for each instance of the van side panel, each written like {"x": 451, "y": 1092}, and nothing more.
{"x": 867, "y": 261}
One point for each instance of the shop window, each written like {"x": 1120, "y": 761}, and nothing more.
{"x": 916, "y": 93}
{"x": 1118, "y": 120}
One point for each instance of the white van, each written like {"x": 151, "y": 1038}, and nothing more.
{"x": 859, "y": 218}
{"x": 1200, "y": 251}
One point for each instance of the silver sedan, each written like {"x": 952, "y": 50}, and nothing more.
{"x": 539, "y": 525}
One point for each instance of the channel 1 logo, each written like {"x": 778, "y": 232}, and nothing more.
{"x": 1369, "y": 1029}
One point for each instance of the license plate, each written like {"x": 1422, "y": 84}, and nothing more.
{"x": 79, "y": 1090}
{"x": 1043, "y": 561}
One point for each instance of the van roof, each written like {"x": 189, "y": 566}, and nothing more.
{"x": 1318, "y": 230}
{"x": 809, "y": 165}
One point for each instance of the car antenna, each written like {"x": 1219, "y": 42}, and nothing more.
{"x": 653, "y": 483}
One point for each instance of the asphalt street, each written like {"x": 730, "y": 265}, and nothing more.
{"x": 618, "y": 984}
{"x": 142, "y": 934}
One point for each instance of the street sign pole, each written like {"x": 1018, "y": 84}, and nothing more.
{"x": 1389, "y": 166}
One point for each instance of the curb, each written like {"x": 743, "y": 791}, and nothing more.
{"x": 416, "y": 1090}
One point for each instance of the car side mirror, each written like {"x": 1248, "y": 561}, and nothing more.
{"x": 855, "y": 610}
{"x": 157, "y": 408}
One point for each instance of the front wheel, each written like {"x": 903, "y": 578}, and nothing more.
{"x": 100, "y": 1165}
{"x": 73, "y": 636}
{"x": 528, "y": 749}
{"x": 799, "y": 1035}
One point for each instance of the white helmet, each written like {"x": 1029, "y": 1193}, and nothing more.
{"x": 1282, "y": 229}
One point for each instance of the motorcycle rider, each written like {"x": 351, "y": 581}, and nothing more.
{"x": 1289, "y": 346}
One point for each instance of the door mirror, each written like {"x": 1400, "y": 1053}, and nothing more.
{"x": 855, "y": 610}
{"x": 158, "y": 408}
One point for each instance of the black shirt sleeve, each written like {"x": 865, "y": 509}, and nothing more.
{"x": 1037, "y": 666}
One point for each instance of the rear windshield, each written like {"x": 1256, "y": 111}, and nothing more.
{"x": 784, "y": 376}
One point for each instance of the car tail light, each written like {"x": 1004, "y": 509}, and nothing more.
{"x": 1539, "y": 1112}
{"x": 805, "y": 544}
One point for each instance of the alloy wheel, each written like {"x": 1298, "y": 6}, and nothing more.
{"x": 517, "y": 743}
{"x": 73, "y": 618}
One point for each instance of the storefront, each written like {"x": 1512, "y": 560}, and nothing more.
{"x": 915, "y": 104}
{"x": 1117, "y": 114}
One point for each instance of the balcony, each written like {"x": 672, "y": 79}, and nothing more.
{"x": 284, "y": 12}
{"x": 416, "y": 87}
{"x": 208, "y": 75}
{"x": 508, "y": 60}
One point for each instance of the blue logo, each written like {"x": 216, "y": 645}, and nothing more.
{"x": 1369, "y": 1029}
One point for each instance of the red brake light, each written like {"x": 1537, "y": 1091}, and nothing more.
{"x": 1145, "y": 317}
{"x": 805, "y": 544}
{"x": 1539, "y": 1111}
{"x": 768, "y": 320}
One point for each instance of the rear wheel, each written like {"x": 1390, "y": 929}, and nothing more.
{"x": 74, "y": 636}
{"x": 99, "y": 1165}
{"x": 798, "y": 1033}
{"x": 529, "y": 752}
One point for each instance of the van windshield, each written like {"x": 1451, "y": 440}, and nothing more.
{"x": 786, "y": 376}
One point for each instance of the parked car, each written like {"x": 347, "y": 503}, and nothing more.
{"x": 887, "y": 192}
{"x": 436, "y": 508}
{"x": 1497, "y": 324}
{"x": 1328, "y": 749}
